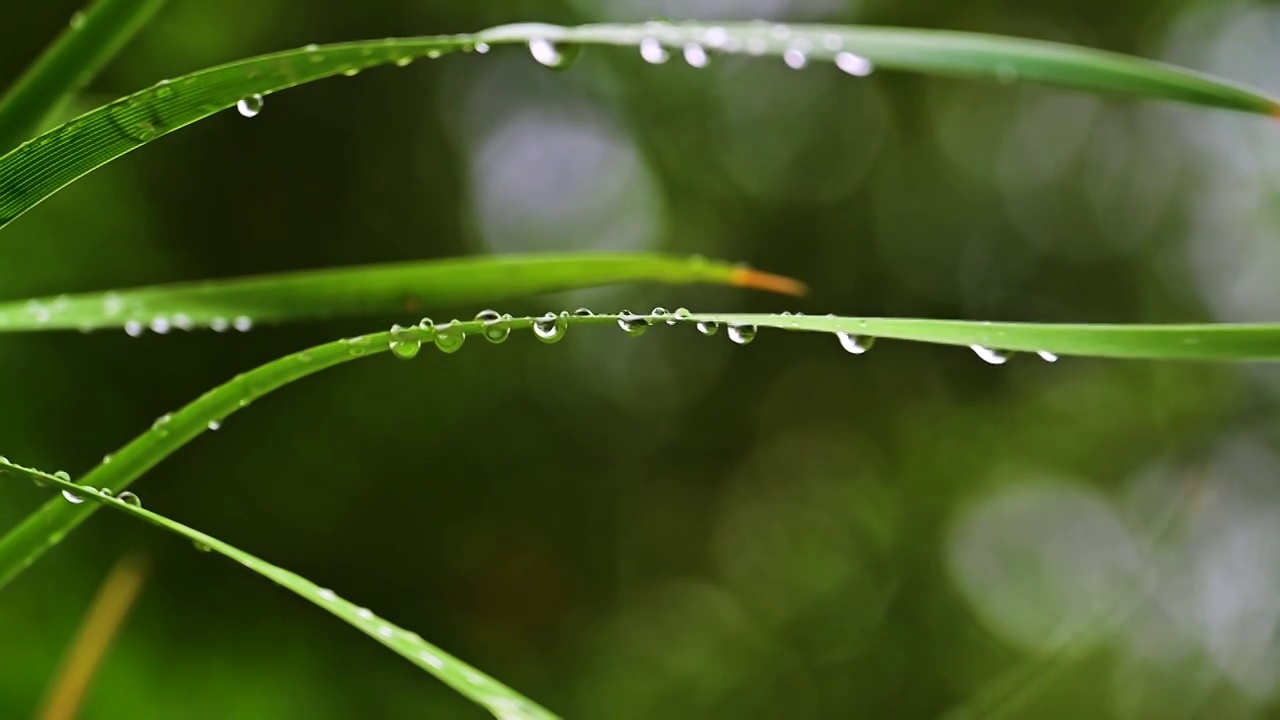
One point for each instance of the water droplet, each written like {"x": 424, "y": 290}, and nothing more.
{"x": 855, "y": 65}
{"x": 1047, "y": 356}
{"x": 633, "y": 325}
{"x": 106, "y": 459}
{"x": 742, "y": 334}
{"x": 385, "y": 631}
{"x": 242, "y": 323}
{"x": 716, "y": 37}
{"x": 652, "y": 51}
{"x": 431, "y": 659}
{"x": 351, "y": 71}
{"x": 133, "y": 328}
{"x": 795, "y": 58}
{"x": 327, "y": 595}
{"x": 434, "y": 54}
{"x": 994, "y": 357}
{"x": 661, "y": 312}
{"x": 557, "y": 57}
{"x": 250, "y": 106}
{"x": 550, "y": 328}
{"x": 214, "y": 425}
{"x": 219, "y": 324}
{"x": 73, "y": 499}
{"x": 682, "y": 313}
{"x": 77, "y": 20}
{"x": 583, "y": 312}
{"x": 364, "y": 614}
{"x": 161, "y": 421}
{"x": 404, "y": 344}
{"x": 856, "y": 344}
{"x": 427, "y": 327}
{"x": 200, "y": 547}
{"x": 404, "y": 61}
{"x": 448, "y": 338}
{"x": 708, "y": 327}
{"x": 129, "y": 498}
{"x": 182, "y": 321}
{"x": 695, "y": 55}
{"x": 832, "y": 41}
{"x": 160, "y": 325}
{"x": 482, "y": 47}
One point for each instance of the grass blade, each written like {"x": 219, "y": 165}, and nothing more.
{"x": 36, "y": 170}
{"x": 67, "y": 65}
{"x": 375, "y": 289}
{"x": 49, "y": 525}
{"x": 501, "y": 700}
{"x": 1224, "y": 341}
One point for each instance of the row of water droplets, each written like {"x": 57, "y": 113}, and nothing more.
{"x": 251, "y": 105}
{"x": 696, "y": 46}
{"x": 406, "y": 342}
{"x": 125, "y": 497}
{"x": 181, "y": 321}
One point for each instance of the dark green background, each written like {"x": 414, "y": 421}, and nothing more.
{"x": 674, "y": 526}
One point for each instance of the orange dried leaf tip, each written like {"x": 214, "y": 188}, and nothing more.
{"x": 759, "y": 280}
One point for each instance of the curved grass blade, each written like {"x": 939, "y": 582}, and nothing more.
{"x": 387, "y": 289}
{"x": 1223, "y": 341}
{"x": 48, "y": 525}
{"x": 36, "y": 170}
{"x": 67, "y": 65}
{"x": 499, "y": 699}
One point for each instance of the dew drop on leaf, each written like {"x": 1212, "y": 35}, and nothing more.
{"x": 652, "y": 52}
{"x": 855, "y": 65}
{"x": 160, "y": 325}
{"x": 488, "y": 316}
{"x": 633, "y": 325}
{"x": 214, "y": 425}
{"x": 403, "y": 344}
{"x": 250, "y": 106}
{"x": 556, "y": 57}
{"x": 708, "y": 327}
{"x": 482, "y": 48}
{"x": 993, "y": 357}
{"x": 795, "y": 58}
{"x": 695, "y": 55}
{"x": 742, "y": 334}
{"x": 73, "y": 499}
{"x": 583, "y": 312}
{"x": 550, "y": 328}
{"x": 129, "y": 498}
{"x": 448, "y": 338}
{"x": 242, "y": 323}
{"x": 1047, "y": 356}
{"x": 133, "y": 328}
{"x": 856, "y": 344}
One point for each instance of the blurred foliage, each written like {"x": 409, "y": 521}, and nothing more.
{"x": 675, "y": 526}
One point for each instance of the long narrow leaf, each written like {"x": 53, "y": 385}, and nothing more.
{"x": 50, "y": 524}
{"x": 499, "y": 699}
{"x": 382, "y": 289}
{"x": 79, "y": 53}
{"x": 39, "y": 168}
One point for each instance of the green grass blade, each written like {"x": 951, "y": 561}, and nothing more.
{"x": 36, "y": 170}
{"x": 499, "y": 699}
{"x": 67, "y": 65}
{"x": 376, "y": 289}
{"x": 47, "y": 526}
{"x": 1259, "y": 341}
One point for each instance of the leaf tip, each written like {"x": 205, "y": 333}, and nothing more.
{"x": 760, "y": 280}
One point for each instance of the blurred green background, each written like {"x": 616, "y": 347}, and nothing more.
{"x": 675, "y": 526}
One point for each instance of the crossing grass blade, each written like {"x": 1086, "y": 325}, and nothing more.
{"x": 49, "y": 525}
{"x": 499, "y": 699}
{"x": 391, "y": 289}
{"x": 79, "y": 53}
{"x": 37, "y": 169}
{"x": 1259, "y": 341}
